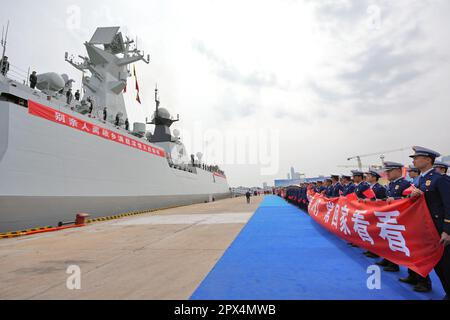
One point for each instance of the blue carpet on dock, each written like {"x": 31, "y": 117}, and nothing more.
{"x": 282, "y": 254}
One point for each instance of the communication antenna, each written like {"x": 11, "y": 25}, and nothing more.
{"x": 157, "y": 99}
{"x": 4, "y": 40}
{"x": 28, "y": 76}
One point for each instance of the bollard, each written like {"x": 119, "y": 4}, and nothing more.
{"x": 81, "y": 219}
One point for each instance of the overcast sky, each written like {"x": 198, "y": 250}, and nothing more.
{"x": 317, "y": 81}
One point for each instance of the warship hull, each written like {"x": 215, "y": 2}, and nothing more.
{"x": 49, "y": 171}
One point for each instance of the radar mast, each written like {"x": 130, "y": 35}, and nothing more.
{"x": 109, "y": 56}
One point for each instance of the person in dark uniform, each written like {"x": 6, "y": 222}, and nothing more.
{"x": 372, "y": 178}
{"x": 296, "y": 196}
{"x": 248, "y": 195}
{"x": 436, "y": 189}
{"x": 336, "y": 188}
{"x": 33, "y": 80}
{"x": 91, "y": 105}
{"x": 395, "y": 190}
{"x": 397, "y": 183}
{"x": 313, "y": 186}
{"x": 305, "y": 197}
{"x": 320, "y": 187}
{"x": 117, "y": 122}
{"x": 362, "y": 187}
{"x": 348, "y": 185}
{"x": 380, "y": 191}
{"x": 299, "y": 197}
{"x": 105, "y": 113}
{"x": 77, "y": 95}
{"x": 127, "y": 125}
{"x": 328, "y": 188}
{"x": 441, "y": 167}
{"x": 289, "y": 193}
{"x": 69, "y": 96}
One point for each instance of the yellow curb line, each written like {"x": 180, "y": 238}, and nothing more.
{"x": 15, "y": 234}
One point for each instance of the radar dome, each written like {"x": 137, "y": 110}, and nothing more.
{"x": 50, "y": 81}
{"x": 163, "y": 113}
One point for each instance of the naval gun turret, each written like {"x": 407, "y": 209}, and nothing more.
{"x": 50, "y": 82}
{"x": 105, "y": 70}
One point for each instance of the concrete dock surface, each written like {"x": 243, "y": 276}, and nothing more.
{"x": 160, "y": 255}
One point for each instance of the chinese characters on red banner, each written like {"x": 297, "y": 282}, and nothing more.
{"x": 402, "y": 232}
{"x": 87, "y": 127}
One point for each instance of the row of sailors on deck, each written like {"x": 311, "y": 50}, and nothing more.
{"x": 427, "y": 177}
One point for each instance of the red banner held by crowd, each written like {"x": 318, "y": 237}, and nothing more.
{"x": 76, "y": 123}
{"x": 402, "y": 232}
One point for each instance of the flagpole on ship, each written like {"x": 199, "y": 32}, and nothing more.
{"x": 156, "y": 99}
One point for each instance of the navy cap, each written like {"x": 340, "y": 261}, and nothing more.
{"x": 346, "y": 177}
{"x": 420, "y": 151}
{"x": 389, "y": 165}
{"x": 335, "y": 176}
{"x": 374, "y": 173}
{"x": 357, "y": 173}
{"x": 440, "y": 164}
{"x": 328, "y": 180}
{"x": 413, "y": 169}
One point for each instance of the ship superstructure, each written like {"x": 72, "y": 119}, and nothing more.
{"x": 60, "y": 156}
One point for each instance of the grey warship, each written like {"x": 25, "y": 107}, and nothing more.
{"x": 60, "y": 157}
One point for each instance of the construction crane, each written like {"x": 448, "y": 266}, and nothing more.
{"x": 381, "y": 154}
{"x": 374, "y": 166}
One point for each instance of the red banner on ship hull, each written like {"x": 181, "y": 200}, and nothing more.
{"x": 402, "y": 232}
{"x": 53, "y": 115}
{"x": 219, "y": 175}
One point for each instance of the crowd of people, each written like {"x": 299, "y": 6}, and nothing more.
{"x": 426, "y": 176}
